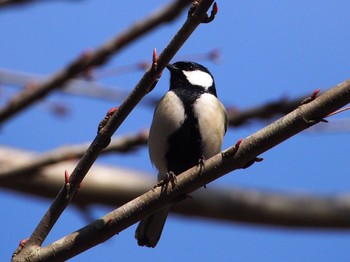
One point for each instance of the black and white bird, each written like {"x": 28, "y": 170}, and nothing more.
{"x": 188, "y": 125}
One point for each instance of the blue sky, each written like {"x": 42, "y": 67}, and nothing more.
{"x": 270, "y": 49}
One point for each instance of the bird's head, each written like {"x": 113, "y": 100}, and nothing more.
{"x": 188, "y": 75}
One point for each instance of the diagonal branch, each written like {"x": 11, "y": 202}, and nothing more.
{"x": 146, "y": 83}
{"x": 89, "y": 60}
{"x": 238, "y": 156}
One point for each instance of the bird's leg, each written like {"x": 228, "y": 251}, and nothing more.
{"x": 201, "y": 163}
{"x": 169, "y": 177}
{"x": 201, "y": 166}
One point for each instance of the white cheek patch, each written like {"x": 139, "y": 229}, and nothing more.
{"x": 199, "y": 78}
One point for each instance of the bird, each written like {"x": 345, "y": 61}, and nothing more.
{"x": 188, "y": 126}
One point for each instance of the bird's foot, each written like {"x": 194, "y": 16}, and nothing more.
{"x": 170, "y": 177}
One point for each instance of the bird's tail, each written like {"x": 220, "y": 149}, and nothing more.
{"x": 149, "y": 230}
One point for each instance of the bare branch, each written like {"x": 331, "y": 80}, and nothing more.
{"x": 271, "y": 208}
{"x": 88, "y": 87}
{"x": 86, "y": 61}
{"x": 115, "y": 186}
{"x": 8, "y": 3}
{"x": 99, "y": 185}
{"x": 266, "y": 111}
{"x": 231, "y": 159}
{"x": 120, "y": 144}
{"x": 236, "y": 116}
{"x": 67, "y": 192}
{"x": 79, "y": 87}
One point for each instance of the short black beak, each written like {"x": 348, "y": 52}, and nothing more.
{"x": 172, "y": 68}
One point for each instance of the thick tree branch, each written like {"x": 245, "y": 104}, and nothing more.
{"x": 99, "y": 185}
{"x": 115, "y": 186}
{"x": 146, "y": 83}
{"x": 233, "y": 158}
{"x": 89, "y": 60}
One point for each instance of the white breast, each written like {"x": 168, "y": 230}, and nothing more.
{"x": 211, "y": 117}
{"x": 168, "y": 117}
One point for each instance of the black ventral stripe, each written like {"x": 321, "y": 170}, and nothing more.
{"x": 185, "y": 144}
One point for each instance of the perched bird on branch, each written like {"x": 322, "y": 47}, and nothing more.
{"x": 188, "y": 126}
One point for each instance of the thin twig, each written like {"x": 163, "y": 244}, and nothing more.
{"x": 80, "y": 87}
{"x": 9, "y": 3}
{"x": 120, "y": 144}
{"x": 266, "y": 111}
{"x": 236, "y": 116}
{"x": 231, "y": 159}
{"x": 87, "y": 61}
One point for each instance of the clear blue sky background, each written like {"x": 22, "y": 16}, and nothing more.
{"x": 270, "y": 49}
